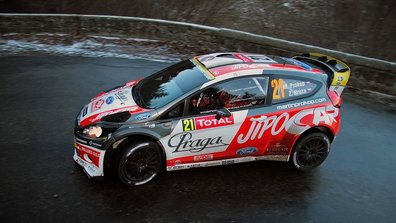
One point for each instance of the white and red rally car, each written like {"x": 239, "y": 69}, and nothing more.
{"x": 214, "y": 109}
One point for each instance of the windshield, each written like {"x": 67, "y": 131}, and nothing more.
{"x": 167, "y": 85}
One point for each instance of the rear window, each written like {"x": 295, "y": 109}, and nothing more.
{"x": 286, "y": 89}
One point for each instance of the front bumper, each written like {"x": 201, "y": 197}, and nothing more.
{"x": 89, "y": 158}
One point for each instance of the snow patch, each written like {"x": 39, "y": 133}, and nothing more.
{"x": 87, "y": 48}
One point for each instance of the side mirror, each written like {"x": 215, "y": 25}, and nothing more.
{"x": 222, "y": 112}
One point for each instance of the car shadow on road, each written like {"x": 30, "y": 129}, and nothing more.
{"x": 268, "y": 188}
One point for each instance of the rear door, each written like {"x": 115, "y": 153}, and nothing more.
{"x": 273, "y": 129}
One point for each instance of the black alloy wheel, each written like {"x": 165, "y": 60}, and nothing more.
{"x": 140, "y": 163}
{"x": 310, "y": 151}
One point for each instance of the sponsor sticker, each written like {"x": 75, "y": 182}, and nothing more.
{"x": 206, "y": 122}
{"x": 91, "y": 143}
{"x": 87, "y": 154}
{"x": 188, "y": 124}
{"x": 246, "y": 151}
{"x": 207, "y": 58}
{"x": 143, "y": 116}
{"x": 85, "y": 111}
{"x": 302, "y": 103}
{"x": 122, "y": 96}
{"x": 203, "y": 157}
{"x": 292, "y": 124}
{"x": 97, "y": 105}
{"x": 109, "y": 100}
{"x": 185, "y": 141}
{"x": 278, "y": 149}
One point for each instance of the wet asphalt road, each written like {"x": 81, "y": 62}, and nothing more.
{"x": 40, "y": 97}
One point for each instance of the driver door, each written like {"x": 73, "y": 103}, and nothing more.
{"x": 199, "y": 136}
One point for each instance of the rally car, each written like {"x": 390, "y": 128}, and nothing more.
{"x": 214, "y": 109}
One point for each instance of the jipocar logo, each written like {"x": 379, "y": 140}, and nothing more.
{"x": 294, "y": 125}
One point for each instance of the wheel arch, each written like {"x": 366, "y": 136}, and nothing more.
{"x": 323, "y": 129}
{"x": 317, "y": 129}
{"x": 121, "y": 141}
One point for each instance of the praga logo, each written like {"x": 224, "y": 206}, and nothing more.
{"x": 294, "y": 125}
{"x": 185, "y": 141}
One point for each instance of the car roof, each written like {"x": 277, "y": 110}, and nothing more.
{"x": 222, "y": 63}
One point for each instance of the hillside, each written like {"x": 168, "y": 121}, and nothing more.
{"x": 361, "y": 27}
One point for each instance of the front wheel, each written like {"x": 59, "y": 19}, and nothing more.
{"x": 310, "y": 151}
{"x": 140, "y": 163}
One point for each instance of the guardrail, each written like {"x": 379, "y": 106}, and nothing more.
{"x": 367, "y": 73}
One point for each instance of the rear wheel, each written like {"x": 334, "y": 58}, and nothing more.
{"x": 140, "y": 163}
{"x": 310, "y": 151}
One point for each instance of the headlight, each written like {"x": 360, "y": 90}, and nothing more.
{"x": 93, "y": 131}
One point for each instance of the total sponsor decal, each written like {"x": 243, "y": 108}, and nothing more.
{"x": 302, "y": 103}
{"x": 206, "y": 122}
{"x": 295, "y": 124}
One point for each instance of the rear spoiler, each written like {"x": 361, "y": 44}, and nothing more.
{"x": 337, "y": 71}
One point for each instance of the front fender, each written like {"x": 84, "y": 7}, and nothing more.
{"x": 127, "y": 132}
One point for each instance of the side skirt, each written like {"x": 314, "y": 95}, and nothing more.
{"x": 283, "y": 158}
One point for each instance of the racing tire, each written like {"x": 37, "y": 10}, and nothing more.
{"x": 140, "y": 163}
{"x": 310, "y": 151}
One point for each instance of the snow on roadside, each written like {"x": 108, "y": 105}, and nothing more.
{"x": 92, "y": 46}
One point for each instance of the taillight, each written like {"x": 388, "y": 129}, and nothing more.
{"x": 335, "y": 98}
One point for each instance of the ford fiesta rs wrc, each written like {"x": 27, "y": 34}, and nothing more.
{"x": 214, "y": 109}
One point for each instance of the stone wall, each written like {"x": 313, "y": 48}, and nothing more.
{"x": 367, "y": 73}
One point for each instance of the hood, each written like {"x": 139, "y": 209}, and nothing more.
{"x": 109, "y": 103}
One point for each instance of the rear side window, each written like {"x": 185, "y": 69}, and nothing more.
{"x": 234, "y": 94}
{"x": 286, "y": 89}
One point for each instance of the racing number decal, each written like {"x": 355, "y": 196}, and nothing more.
{"x": 188, "y": 124}
{"x": 278, "y": 89}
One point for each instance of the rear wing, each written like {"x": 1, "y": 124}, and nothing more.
{"x": 337, "y": 71}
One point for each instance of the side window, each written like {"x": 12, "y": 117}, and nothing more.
{"x": 239, "y": 93}
{"x": 174, "y": 112}
{"x": 285, "y": 89}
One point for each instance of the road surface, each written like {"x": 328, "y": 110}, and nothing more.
{"x": 40, "y": 97}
